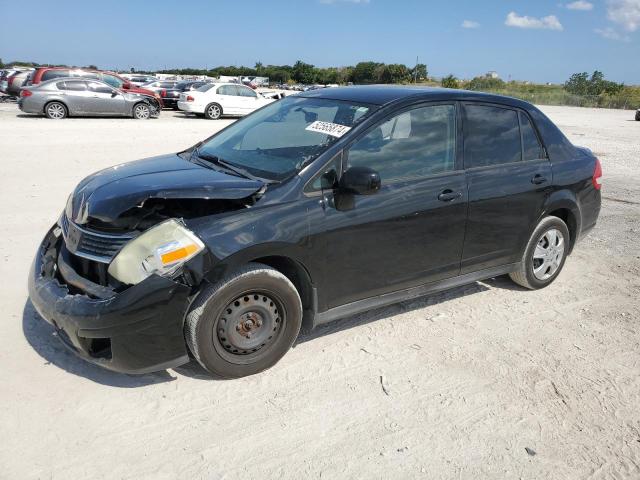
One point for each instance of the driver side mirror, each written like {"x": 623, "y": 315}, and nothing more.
{"x": 360, "y": 181}
{"x": 114, "y": 93}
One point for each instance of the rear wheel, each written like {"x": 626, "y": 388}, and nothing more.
{"x": 141, "y": 111}
{"x": 638, "y": 116}
{"x": 244, "y": 323}
{"x": 544, "y": 255}
{"x": 213, "y": 111}
{"x": 55, "y": 110}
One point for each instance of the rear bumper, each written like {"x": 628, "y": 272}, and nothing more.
{"x": 190, "y": 107}
{"x": 139, "y": 330}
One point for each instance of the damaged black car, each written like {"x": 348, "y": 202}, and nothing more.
{"x": 313, "y": 208}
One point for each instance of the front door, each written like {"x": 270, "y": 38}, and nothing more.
{"x": 508, "y": 180}
{"x": 411, "y": 231}
{"x": 104, "y": 100}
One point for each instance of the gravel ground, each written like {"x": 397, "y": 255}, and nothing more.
{"x": 484, "y": 381}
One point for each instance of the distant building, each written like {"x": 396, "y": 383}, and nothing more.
{"x": 492, "y": 74}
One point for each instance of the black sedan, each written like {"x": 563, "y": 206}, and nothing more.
{"x": 170, "y": 96}
{"x": 316, "y": 207}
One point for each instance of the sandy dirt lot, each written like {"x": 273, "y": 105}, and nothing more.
{"x": 473, "y": 376}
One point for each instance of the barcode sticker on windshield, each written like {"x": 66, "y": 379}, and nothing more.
{"x": 333, "y": 129}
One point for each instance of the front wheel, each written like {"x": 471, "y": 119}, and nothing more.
{"x": 141, "y": 111}
{"x": 245, "y": 323}
{"x": 544, "y": 255}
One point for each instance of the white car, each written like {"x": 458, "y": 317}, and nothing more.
{"x": 214, "y": 100}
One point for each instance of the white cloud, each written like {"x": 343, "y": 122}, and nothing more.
{"x": 580, "y": 5}
{"x": 610, "y": 34}
{"x": 550, "y": 22}
{"x": 470, "y": 24}
{"x": 625, "y": 13}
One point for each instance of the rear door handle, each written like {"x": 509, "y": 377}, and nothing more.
{"x": 448, "y": 195}
{"x": 538, "y": 179}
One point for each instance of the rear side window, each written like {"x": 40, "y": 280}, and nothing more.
{"x": 51, "y": 74}
{"x": 531, "y": 148}
{"x": 228, "y": 90}
{"x": 491, "y": 136}
{"x": 76, "y": 86}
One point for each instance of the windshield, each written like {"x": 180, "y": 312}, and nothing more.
{"x": 282, "y": 138}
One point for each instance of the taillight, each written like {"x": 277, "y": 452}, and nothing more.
{"x": 597, "y": 176}
{"x": 163, "y": 93}
{"x": 190, "y": 98}
{"x": 25, "y": 93}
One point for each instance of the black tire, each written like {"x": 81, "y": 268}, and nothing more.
{"x": 213, "y": 111}
{"x": 215, "y": 325}
{"x": 638, "y": 116}
{"x": 141, "y": 111}
{"x": 56, "y": 110}
{"x": 526, "y": 274}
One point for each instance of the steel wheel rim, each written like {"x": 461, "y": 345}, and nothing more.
{"x": 142, "y": 111}
{"x": 214, "y": 111}
{"x": 55, "y": 111}
{"x": 250, "y": 324}
{"x": 548, "y": 254}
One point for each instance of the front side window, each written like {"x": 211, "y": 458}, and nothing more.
{"x": 247, "y": 92}
{"x": 285, "y": 136}
{"x": 491, "y": 136}
{"x": 99, "y": 88}
{"x": 413, "y": 144}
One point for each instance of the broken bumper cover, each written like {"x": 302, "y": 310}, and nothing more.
{"x": 139, "y": 330}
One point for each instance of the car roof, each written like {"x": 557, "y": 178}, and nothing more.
{"x": 384, "y": 94}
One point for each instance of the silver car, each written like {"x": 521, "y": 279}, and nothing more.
{"x": 62, "y": 97}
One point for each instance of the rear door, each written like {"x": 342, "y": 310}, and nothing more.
{"x": 230, "y": 99}
{"x": 509, "y": 178}
{"x": 75, "y": 95}
{"x": 411, "y": 231}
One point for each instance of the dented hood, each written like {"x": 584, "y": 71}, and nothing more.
{"x": 107, "y": 194}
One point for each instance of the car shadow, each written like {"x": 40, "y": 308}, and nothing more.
{"x": 41, "y": 336}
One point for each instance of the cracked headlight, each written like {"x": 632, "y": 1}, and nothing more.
{"x": 160, "y": 250}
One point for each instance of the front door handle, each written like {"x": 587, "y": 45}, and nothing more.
{"x": 538, "y": 179}
{"x": 448, "y": 195}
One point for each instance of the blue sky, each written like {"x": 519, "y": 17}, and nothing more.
{"x": 541, "y": 40}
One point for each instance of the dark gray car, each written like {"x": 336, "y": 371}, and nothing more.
{"x": 62, "y": 97}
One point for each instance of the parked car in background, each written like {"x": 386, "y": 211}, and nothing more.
{"x": 317, "y": 207}
{"x": 48, "y": 73}
{"x": 170, "y": 96}
{"x": 214, "y": 100}
{"x": 158, "y": 85}
{"x": 16, "y": 81}
{"x": 4, "y": 75}
{"x": 141, "y": 79}
{"x": 71, "y": 96}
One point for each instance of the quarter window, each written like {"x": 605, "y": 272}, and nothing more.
{"x": 531, "y": 148}
{"x": 491, "y": 136}
{"x": 414, "y": 144}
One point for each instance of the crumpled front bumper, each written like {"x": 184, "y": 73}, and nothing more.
{"x": 138, "y": 330}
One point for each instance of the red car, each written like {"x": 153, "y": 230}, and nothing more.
{"x": 42, "y": 74}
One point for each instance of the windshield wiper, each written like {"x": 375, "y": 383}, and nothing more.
{"x": 228, "y": 166}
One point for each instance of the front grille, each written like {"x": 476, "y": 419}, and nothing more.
{"x": 97, "y": 246}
